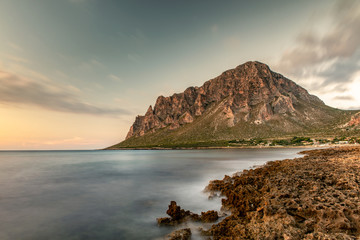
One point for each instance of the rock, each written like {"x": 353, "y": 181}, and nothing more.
{"x": 185, "y": 118}
{"x": 177, "y": 215}
{"x": 164, "y": 221}
{"x": 182, "y": 234}
{"x": 244, "y": 88}
{"x": 195, "y": 217}
{"x": 314, "y": 197}
{"x": 175, "y": 212}
{"x": 354, "y": 121}
{"x": 209, "y": 216}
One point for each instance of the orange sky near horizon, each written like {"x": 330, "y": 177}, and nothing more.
{"x": 31, "y": 128}
{"x": 74, "y": 74}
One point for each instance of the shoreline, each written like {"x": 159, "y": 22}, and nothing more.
{"x": 316, "y": 196}
{"x": 238, "y": 147}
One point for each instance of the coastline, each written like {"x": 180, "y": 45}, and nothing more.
{"x": 316, "y": 196}
{"x": 236, "y": 147}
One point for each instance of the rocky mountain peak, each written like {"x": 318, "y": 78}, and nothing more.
{"x": 150, "y": 111}
{"x": 251, "y": 93}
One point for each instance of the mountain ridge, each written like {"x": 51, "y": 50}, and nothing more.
{"x": 238, "y": 103}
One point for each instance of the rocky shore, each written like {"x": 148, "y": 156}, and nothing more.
{"x": 313, "y": 197}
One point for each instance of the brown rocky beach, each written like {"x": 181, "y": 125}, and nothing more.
{"x": 313, "y": 197}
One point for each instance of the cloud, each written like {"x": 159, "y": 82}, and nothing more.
{"x": 138, "y": 36}
{"x": 18, "y": 90}
{"x": 214, "y": 28}
{"x": 16, "y": 58}
{"x": 115, "y": 78}
{"x": 73, "y": 140}
{"x": 232, "y": 42}
{"x": 77, "y": 1}
{"x": 134, "y": 57}
{"x": 334, "y": 55}
{"x": 91, "y": 65}
{"x": 15, "y": 46}
{"x": 344, "y": 98}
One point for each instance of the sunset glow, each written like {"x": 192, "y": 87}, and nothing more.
{"x": 74, "y": 74}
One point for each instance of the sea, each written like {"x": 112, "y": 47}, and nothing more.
{"x": 115, "y": 194}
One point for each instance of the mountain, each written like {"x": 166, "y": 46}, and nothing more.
{"x": 249, "y": 101}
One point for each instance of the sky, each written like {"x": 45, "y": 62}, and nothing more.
{"x": 75, "y": 73}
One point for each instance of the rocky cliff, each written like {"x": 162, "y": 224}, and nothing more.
{"x": 251, "y": 89}
{"x": 354, "y": 121}
{"x": 247, "y": 101}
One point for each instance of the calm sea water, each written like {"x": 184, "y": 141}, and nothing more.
{"x": 110, "y": 194}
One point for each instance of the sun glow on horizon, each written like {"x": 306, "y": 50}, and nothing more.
{"x": 74, "y": 74}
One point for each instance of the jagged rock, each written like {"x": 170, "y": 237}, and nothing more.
{"x": 314, "y": 197}
{"x": 182, "y": 234}
{"x": 209, "y": 216}
{"x": 354, "y": 121}
{"x": 164, "y": 221}
{"x": 185, "y": 118}
{"x": 283, "y": 104}
{"x": 179, "y": 215}
{"x": 175, "y": 211}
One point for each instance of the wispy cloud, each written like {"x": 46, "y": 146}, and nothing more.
{"x": 18, "y": 90}
{"x": 214, "y": 28}
{"x": 91, "y": 65}
{"x": 333, "y": 56}
{"x": 114, "y": 78}
{"x": 14, "y": 46}
{"x": 66, "y": 143}
{"x": 16, "y": 59}
{"x": 78, "y": 1}
{"x": 136, "y": 36}
{"x": 232, "y": 42}
{"x": 73, "y": 140}
{"x": 344, "y": 98}
{"x": 134, "y": 57}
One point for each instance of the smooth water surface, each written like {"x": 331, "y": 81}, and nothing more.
{"x": 110, "y": 194}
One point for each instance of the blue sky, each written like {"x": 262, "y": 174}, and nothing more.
{"x": 75, "y": 73}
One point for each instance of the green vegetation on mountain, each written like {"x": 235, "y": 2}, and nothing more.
{"x": 243, "y": 104}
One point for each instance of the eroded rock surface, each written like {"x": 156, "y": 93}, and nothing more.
{"x": 181, "y": 234}
{"x": 209, "y": 216}
{"x": 354, "y": 121}
{"x": 314, "y": 197}
{"x": 179, "y": 215}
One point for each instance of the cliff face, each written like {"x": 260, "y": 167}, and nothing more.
{"x": 354, "y": 121}
{"x": 250, "y": 93}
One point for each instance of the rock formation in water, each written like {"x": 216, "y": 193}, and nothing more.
{"x": 314, "y": 197}
{"x": 179, "y": 215}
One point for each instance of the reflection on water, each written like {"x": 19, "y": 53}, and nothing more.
{"x": 110, "y": 194}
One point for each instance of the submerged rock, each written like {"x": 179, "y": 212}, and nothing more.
{"x": 182, "y": 234}
{"x": 175, "y": 212}
{"x": 178, "y": 215}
